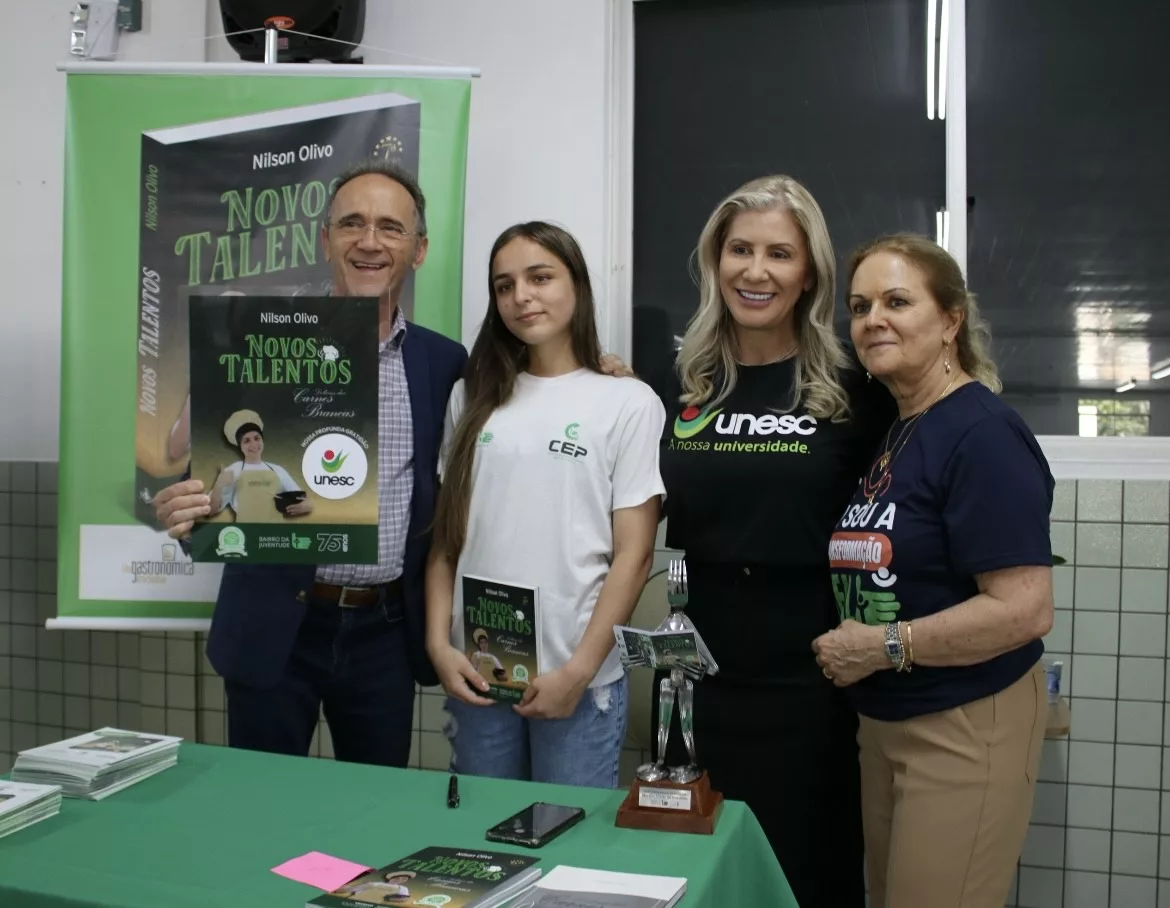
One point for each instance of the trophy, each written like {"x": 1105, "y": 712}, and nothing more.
{"x": 671, "y": 798}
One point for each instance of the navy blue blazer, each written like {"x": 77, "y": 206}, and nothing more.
{"x": 260, "y": 607}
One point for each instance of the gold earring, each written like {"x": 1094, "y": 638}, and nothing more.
{"x": 947, "y": 357}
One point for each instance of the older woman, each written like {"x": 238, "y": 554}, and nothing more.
{"x": 769, "y": 427}
{"x": 942, "y": 571}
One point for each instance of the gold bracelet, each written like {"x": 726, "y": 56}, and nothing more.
{"x": 909, "y": 644}
{"x": 907, "y": 655}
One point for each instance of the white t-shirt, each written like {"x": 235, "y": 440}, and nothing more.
{"x": 228, "y": 498}
{"x": 551, "y": 466}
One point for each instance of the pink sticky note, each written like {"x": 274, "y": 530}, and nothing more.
{"x": 320, "y": 870}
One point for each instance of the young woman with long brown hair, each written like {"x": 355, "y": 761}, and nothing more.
{"x": 550, "y": 481}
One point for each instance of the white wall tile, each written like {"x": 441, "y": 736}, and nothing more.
{"x": 1096, "y": 676}
{"x": 1093, "y": 719}
{"x": 1043, "y": 846}
{"x": 1136, "y": 810}
{"x": 1143, "y": 635}
{"x": 1054, "y": 761}
{"x": 1059, "y": 639}
{"x": 1140, "y": 678}
{"x": 1139, "y": 722}
{"x": 1132, "y": 892}
{"x": 1098, "y": 500}
{"x": 1085, "y": 890}
{"x": 1050, "y": 802}
{"x": 1147, "y": 501}
{"x": 1096, "y": 633}
{"x": 1087, "y": 849}
{"x": 1099, "y": 544}
{"x": 1040, "y": 888}
{"x": 1138, "y": 766}
{"x": 1090, "y": 763}
{"x": 1063, "y": 585}
{"x": 1146, "y": 545}
{"x": 1064, "y": 500}
{"x": 1143, "y": 590}
{"x": 1090, "y": 806}
{"x": 1064, "y": 540}
{"x": 435, "y": 751}
{"x": 1098, "y": 589}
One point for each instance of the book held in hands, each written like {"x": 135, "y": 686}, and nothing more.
{"x": 450, "y": 877}
{"x": 501, "y": 635}
{"x": 98, "y": 763}
{"x": 22, "y": 804}
{"x": 284, "y": 428}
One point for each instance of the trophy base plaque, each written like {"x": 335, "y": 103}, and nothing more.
{"x": 667, "y": 806}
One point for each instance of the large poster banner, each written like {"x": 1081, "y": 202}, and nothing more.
{"x": 210, "y": 181}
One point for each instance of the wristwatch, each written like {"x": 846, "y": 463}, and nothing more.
{"x": 894, "y": 646}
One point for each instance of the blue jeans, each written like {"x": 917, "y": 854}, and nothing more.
{"x": 583, "y": 749}
{"x": 350, "y": 661}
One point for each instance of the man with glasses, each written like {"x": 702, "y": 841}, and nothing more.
{"x": 289, "y": 640}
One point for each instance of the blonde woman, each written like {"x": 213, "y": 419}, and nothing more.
{"x": 769, "y": 428}
{"x": 942, "y": 569}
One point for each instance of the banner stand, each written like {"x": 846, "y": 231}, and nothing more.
{"x": 179, "y": 179}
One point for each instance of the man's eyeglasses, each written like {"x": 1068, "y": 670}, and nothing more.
{"x": 384, "y": 231}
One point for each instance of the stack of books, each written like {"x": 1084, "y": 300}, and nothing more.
{"x": 22, "y": 804}
{"x": 97, "y": 764}
{"x": 581, "y": 887}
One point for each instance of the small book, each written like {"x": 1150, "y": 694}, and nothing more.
{"x": 501, "y": 635}
{"x": 579, "y": 887}
{"x": 98, "y": 763}
{"x": 450, "y": 877}
{"x": 664, "y": 650}
{"x": 22, "y": 804}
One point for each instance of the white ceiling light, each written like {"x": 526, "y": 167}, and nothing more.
{"x": 931, "y": 37}
{"x": 1127, "y": 386}
{"x": 1160, "y": 373}
{"x": 944, "y": 34}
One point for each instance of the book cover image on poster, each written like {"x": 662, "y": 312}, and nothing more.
{"x": 237, "y": 206}
{"x": 284, "y": 428}
{"x": 446, "y": 877}
{"x": 501, "y": 635}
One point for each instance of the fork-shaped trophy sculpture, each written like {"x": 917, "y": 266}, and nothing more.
{"x": 676, "y": 798}
{"x": 679, "y": 685}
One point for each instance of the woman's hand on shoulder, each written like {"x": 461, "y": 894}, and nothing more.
{"x": 459, "y": 677}
{"x": 612, "y": 364}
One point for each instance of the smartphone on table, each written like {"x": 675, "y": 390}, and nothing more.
{"x": 536, "y": 825}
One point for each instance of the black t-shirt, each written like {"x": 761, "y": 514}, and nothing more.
{"x": 969, "y": 492}
{"x": 752, "y": 489}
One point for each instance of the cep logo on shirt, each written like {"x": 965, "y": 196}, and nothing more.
{"x": 568, "y": 446}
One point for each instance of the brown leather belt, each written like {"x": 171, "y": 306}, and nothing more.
{"x": 356, "y": 596}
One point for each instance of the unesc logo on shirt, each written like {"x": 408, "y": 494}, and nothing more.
{"x": 693, "y": 421}
{"x": 569, "y": 446}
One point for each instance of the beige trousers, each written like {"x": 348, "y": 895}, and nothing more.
{"x": 946, "y": 799}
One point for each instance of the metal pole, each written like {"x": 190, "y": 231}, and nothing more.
{"x": 270, "y": 35}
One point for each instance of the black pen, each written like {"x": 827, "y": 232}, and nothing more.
{"x": 453, "y": 792}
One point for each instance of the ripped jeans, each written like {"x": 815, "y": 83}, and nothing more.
{"x": 581, "y": 750}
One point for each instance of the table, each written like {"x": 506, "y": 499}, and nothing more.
{"x": 207, "y": 831}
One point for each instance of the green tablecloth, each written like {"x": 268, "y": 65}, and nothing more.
{"x": 207, "y": 831}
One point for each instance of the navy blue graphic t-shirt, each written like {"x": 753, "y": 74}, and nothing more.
{"x": 969, "y": 492}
